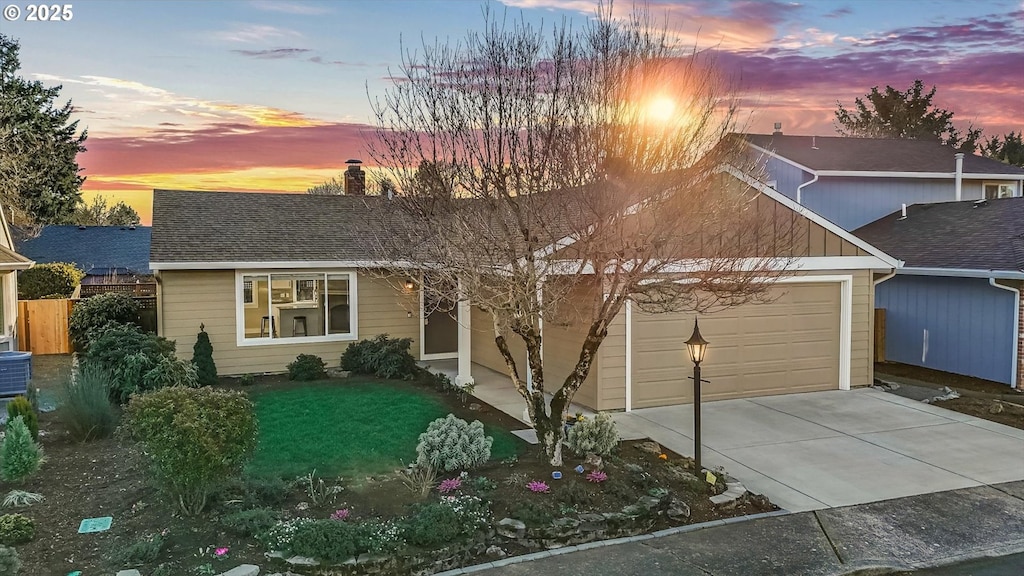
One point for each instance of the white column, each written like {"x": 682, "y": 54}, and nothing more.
{"x": 465, "y": 376}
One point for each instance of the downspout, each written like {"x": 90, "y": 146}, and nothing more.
{"x": 800, "y": 188}
{"x": 1016, "y": 330}
{"x": 959, "y": 175}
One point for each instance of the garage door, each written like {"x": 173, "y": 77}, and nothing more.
{"x": 788, "y": 345}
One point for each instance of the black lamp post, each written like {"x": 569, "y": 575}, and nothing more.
{"x": 697, "y": 346}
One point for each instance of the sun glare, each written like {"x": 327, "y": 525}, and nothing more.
{"x": 661, "y": 109}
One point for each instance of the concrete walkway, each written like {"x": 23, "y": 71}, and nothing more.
{"x": 879, "y": 538}
{"x": 823, "y": 449}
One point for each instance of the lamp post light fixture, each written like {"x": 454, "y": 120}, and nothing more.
{"x": 697, "y": 346}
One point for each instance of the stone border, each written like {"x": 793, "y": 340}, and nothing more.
{"x": 601, "y": 543}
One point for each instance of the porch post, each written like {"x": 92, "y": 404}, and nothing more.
{"x": 465, "y": 377}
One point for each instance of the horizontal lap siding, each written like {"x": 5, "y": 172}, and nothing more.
{"x": 188, "y": 298}
{"x": 563, "y": 340}
{"x": 612, "y": 356}
{"x": 485, "y": 351}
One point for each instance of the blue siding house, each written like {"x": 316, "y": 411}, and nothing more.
{"x": 955, "y": 305}
{"x": 854, "y": 181}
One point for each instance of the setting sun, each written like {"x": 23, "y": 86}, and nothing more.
{"x": 661, "y": 109}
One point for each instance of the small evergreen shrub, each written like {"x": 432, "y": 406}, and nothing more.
{"x": 96, "y": 312}
{"x": 86, "y": 408}
{"x": 202, "y": 358}
{"x": 170, "y": 372}
{"x": 20, "y": 406}
{"x": 451, "y": 443}
{"x": 16, "y": 529}
{"x": 307, "y": 367}
{"x": 250, "y": 522}
{"x": 52, "y": 280}
{"x": 382, "y": 357}
{"x": 329, "y": 540}
{"x": 197, "y": 439}
{"x": 256, "y": 491}
{"x": 145, "y": 550}
{"x": 246, "y": 379}
{"x": 10, "y": 565}
{"x": 20, "y": 455}
{"x": 596, "y": 435}
{"x": 453, "y": 519}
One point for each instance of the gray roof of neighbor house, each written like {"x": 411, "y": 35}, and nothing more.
{"x": 94, "y": 249}
{"x": 978, "y": 235}
{"x": 264, "y": 227}
{"x": 833, "y": 153}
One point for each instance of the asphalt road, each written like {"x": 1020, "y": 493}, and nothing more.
{"x": 1006, "y": 566}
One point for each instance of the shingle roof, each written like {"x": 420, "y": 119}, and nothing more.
{"x": 94, "y": 247}
{"x": 264, "y": 227}
{"x": 969, "y": 235}
{"x": 875, "y": 155}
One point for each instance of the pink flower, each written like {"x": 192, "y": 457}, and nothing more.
{"x": 536, "y": 486}
{"x": 449, "y": 485}
{"x": 220, "y": 552}
{"x": 340, "y": 514}
{"x": 597, "y": 476}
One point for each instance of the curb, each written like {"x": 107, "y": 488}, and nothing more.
{"x": 614, "y": 541}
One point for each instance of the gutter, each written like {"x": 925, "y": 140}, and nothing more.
{"x": 1016, "y": 330}
{"x": 963, "y": 273}
{"x": 800, "y": 188}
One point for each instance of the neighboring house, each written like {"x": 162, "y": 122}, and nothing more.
{"x": 272, "y": 276}
{"x": 854, "y": 181}
{"x": 109, "y": 255}
{"x": 10, "y": 264}
{"x": 956, "y": 305}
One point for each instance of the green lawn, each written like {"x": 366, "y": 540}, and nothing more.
{"x": 347, "y": 428}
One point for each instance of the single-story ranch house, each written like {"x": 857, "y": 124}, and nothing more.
{"x": 272, "y": 276}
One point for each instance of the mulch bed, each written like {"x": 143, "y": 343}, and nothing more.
{"x": 108, "y": 478}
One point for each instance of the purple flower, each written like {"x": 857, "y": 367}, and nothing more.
{"x": 597, "y": 476}
{"x": 536, "y": 486}
{"x": 220, "y": 552}
{"x": 450, "y": 485}
{"x": 340, "y": 514}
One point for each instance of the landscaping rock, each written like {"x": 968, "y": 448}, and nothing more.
{"x": 511, "y": 528}
{"x": 996, "y": 407}
{"x": 651, "y": 447}
{"x": 495, "y": 552}
{"x": 678, "y": 510}
{"x": 129, "y": 573}
{"x": 728, "y": 499}
{"x": 591, "y": 522}
{"x": 473, "y": 406}
{"x": 594, "y": 462}
{"x": 243, "y": 570}
{"x": 649, "y": 502}
{"x": 301, "y": 561}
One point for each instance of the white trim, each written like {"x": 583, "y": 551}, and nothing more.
{"x": 629, "y": 355}
{"x": 297, "y": 265}
{"x": 353, "y": 306}
{"x": 465, "y": 316}
{"x": 1016, "y": 330}
{"x": 777, "y": 157}
{"x": 845, "y": 318}
{"x": 813, "y": 217}
{"x": 931, "y": 175}
{"x": 962, "y": 273}
{"x": 806, "y": 263}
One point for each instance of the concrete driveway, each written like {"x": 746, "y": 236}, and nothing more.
{"x": 838, "y": 448}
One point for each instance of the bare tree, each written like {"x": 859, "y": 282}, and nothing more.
{"x": 552, "y": 174}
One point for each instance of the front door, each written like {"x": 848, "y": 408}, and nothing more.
{"x": 440, "y": 327}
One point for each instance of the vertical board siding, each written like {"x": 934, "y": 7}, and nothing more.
{"x": 854, "y": 202}
{"x": 970, "y": 325}
{"x": 188, "y": 298}
{"x": 787, "y": 177}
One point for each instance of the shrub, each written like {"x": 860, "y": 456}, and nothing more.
{"x": 98, "y": 311}
{"x": 128, "y": 354}
{"x": 19, "y": 498}
{"x": 10, "y": 565}
{"x": 170, "y": 372}
{"x": 16, "y": 529}
{"x": 256, "y": 491}
{"x": 197, "y": 438}
{"x": 20, "y": 455}
{"x": 52, "y": 280}
{"x": 202, "y": 358}
{"x": 246, "y": 379}
{"x": 382, "y": 357}
{"x": 279, "y": 537}
{"x": 451, "y": 443}
{"x": 250, "y": 522}
{"x": 329, "y": 540}
{"x": 453, "y": 519}
{"x": 593, "y": 435}
{"x": 20, "y": 406}
{"x": 86, "y": 407}
{"x": 307, "y": 367}
{"x": 143, "y": 551}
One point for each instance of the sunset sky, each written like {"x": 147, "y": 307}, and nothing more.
{"x": 269, "y": 95}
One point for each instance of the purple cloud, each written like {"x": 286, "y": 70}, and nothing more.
{"x": 274, "y": 53}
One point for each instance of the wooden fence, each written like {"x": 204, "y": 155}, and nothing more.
{"x": 43, "y": 326}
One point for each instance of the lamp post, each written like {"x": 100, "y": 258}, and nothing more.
{"x": 697, "y": 346}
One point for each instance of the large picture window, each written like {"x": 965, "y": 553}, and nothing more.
{"x": 291, "y": 306}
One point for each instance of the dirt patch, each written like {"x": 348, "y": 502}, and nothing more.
{"x": 109, "y": 478}
{"x": 1007, "y": 413}
{"x": 939, "y": 379}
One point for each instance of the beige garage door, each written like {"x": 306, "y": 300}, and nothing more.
{"x": 788, "y": 345}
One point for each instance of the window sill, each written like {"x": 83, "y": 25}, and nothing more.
{"x": 300, "y": 340}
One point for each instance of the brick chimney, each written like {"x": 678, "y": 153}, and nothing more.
{"x": 355, "y": 179}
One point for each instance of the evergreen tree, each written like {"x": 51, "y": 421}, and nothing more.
{"x": 39, "y": 178}
{"x": 202, "y": 357}
{"x": 20, "y": 456}
{"x": 1009, "y": 149}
